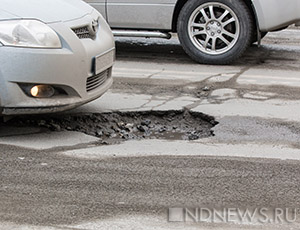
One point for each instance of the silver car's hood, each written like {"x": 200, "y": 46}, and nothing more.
{"x": 45, "y": 10}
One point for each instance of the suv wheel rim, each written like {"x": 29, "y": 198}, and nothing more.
{"x": 214, "y": 28}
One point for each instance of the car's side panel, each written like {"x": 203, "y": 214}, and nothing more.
{"x": 140, "y": 14}
{"x": 158, "y": 14}
{"x": 99, "y": 5}
{"x": 275, "y": 14}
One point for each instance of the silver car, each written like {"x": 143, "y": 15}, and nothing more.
{"x": 210, "y": 31}
{"x": 54, "y": 55}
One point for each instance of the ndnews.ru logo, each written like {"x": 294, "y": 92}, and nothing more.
{"x": 233, "y": 215}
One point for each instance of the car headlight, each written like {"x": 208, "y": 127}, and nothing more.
{"x": 28, "y": 33}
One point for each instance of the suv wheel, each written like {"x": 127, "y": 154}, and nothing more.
{"x": 215, "y": 32}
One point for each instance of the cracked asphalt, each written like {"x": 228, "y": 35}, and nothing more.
{"x": 57, "y": 172}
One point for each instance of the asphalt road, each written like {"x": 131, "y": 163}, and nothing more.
{"x": 47, "y": 189}
{"x": 66, "y": 180}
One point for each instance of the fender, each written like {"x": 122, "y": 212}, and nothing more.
{"x": 276, "y": 14}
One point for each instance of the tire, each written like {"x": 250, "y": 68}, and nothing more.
{"x": 215, "y": 31}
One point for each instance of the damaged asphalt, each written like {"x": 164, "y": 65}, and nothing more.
{"x": 114, "y": 127}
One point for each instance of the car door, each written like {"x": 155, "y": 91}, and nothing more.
{"x": 140, "y": 14}
{"x": 99, "y": 5}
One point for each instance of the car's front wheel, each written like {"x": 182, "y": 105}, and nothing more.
{"x": 215, "y": 32}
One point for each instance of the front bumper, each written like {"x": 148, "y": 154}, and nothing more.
{"x": 67, "y": 68}
{"x": 63, "y": 105}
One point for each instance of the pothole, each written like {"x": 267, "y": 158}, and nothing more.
{"x": 116, "y": 126}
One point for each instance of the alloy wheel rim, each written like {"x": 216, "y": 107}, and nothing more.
{"x": 214, "y": 28}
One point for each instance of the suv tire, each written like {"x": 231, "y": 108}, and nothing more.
{"x": 215, "y": 32}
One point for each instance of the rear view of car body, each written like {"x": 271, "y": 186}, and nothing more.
{"x": 52, "y": 79}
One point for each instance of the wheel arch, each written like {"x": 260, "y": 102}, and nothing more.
{"x": 180, "y": 3}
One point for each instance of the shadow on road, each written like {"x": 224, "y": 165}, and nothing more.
{"x": 170, "y": 51}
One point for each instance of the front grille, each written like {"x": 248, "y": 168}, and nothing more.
{"x": 97, "y": 80}
{"x": 83, "y": 32}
